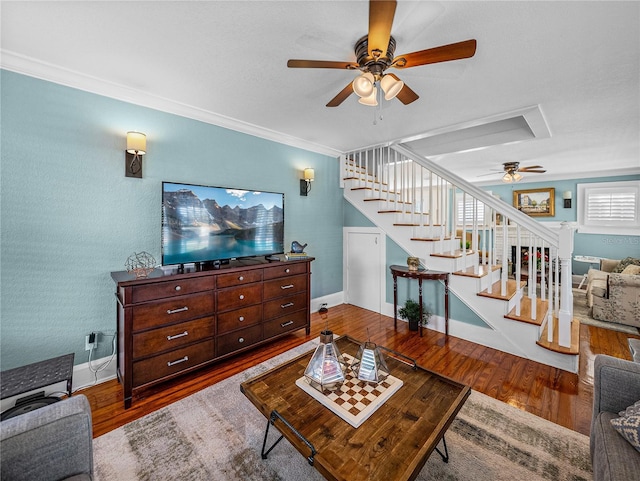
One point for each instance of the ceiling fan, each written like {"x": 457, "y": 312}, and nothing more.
{"x": 375, "y": 54}
{"x": 512, "y": 171}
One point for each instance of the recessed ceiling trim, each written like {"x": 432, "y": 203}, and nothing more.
{"x": 69, "y": 78}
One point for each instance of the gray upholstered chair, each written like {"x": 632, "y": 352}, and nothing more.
{"x": 54, "y": 442}
{"x": 616, "y": 386}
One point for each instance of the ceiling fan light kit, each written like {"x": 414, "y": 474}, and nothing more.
{"x": 375, "y": 54}
{"x": 511, "y": 170}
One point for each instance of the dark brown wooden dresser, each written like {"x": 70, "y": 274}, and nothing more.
{"x": 170, "y": 324}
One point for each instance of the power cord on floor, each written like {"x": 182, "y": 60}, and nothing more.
{"x": 102, "y": 366}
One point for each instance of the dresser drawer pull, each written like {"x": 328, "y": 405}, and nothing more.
{"x": 178, "y": 288}
{"x": 241, "y": 318}
{"x": 286, "y": 287}
{"x": 175, "y": 311}
{"x": 287, "y": 270}
{"x": 241, "y": 278}
{"x": 170, "y": 363}
{"x": 241, "y": 296}
{"x": 241, "y": 340}
{"x": 288, "y": 304}
{"x": 285, "y": 324}
{"x": 171, "y": 338}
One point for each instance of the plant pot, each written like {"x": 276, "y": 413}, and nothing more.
{"x": 413, "y": 324}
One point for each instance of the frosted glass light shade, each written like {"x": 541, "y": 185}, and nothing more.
{"x": 326, "y": 368}
{"x": 136, "y": 143}
{"x": 363, "y": 84}
{"x": 391, "y": 87}
{"x": 309, "y": 174}
{"x": 371, "y": 99}
{"x": 369, "y": 364}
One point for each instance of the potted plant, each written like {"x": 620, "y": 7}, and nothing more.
{"x": 411, "y": 312}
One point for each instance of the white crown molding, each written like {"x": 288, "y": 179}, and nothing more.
{"x": 52, "y": 73}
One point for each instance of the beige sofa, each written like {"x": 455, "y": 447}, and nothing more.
{"x": 615, "y": 296}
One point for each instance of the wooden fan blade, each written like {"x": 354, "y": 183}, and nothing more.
{"x": 406, "y": 95}
{"x": 341, "y": 97}
{"x": 320, "y": 64}
{"x": 381, "y": 13}
{"x": 530, "y": 168}
{"x": 444, "y": 53}
{"x": 532, "y": 171}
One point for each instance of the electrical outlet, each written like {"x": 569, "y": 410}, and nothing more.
{"x": 90, "y": 341}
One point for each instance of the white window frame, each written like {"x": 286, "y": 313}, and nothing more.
{"x": 614, "y": 227}
{"x": 481, "y": 213}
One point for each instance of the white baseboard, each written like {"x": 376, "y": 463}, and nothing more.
{"x": 330, "y": 300}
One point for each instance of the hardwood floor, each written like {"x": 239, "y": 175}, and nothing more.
{"x": 550, "y": 393}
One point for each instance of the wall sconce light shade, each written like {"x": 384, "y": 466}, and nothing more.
{"x": 136, "y": 148}
{"x": 566, "y": 196}
{"x": 305, "y": 182}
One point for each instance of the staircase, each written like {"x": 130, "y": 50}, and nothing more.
{"x": 428, "y": 211}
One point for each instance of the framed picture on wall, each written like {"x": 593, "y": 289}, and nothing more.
{"x": 535, "y": 202}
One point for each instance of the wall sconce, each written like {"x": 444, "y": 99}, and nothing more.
{"x": 136, "y": 148}
{"x": 566, "y": 196}
{"x": 305, "y": 182}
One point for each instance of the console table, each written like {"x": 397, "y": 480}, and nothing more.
{"x": 420, "y": 274}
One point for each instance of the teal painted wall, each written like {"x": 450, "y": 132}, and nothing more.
{"x": 70, "y": 216}
{"x": 599, "y": 245}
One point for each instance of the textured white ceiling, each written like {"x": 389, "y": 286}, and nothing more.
{"x": 225, "y": 62}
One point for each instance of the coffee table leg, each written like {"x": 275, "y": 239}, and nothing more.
{"x": 445, "y": 456}
{"x": 272, "y": 420}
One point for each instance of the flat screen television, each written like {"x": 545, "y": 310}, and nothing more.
{"x": 202, "y": 224}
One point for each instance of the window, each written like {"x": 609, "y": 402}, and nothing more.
{"x": 609, "y": 208}
{"x": 468, "y": 212}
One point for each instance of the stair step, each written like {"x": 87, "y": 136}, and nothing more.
{"x": 554, "y": 346}
{"x": 377, "y": 199}
{"x": 368, "y": 179}
{"x": 542, "y": 307}
{"x": 456, "y": 254}
{"x": 495, "y": 290}
{"x": 429, "y": 239}
{"x": 400, "y": 212}
{"x": 483, "y": 270}
{"x": 378, "y": 190}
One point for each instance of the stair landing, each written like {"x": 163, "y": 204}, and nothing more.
{"x": 554, "y": 346}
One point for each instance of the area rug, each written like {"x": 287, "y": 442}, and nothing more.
{"x": 582, "y": 312}
{"x": 216, "y": 434}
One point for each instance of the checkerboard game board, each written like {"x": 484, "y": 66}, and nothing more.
{"x": 355, "y": 401}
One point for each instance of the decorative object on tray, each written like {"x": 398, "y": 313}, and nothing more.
{"x": 326, "y": 368}
{"x": 297, "y": 248}
{"x": 411, "y": 312}
{"x": 413, "y": 263}
{"x": 369, "y": 364}
{"x": 141, "y": 264}
{"x": 354, "y": 400}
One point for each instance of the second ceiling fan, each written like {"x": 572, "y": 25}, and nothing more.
{"x": 375, "y": 54}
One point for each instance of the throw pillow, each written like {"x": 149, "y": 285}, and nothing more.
{"x": 629, "y": 428}
{"x": 624, "y": 263}
{"x": 633, "y": 410}
{"x": 631, "y": 270}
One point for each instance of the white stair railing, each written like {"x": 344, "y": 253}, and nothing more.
{"x": 423, "y": 195}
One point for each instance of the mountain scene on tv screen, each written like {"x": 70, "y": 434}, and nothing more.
{"x": 207, "y": 230}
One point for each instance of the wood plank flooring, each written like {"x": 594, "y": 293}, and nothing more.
{"x": 550, "y": 393}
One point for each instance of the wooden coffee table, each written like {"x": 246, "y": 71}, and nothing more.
{"x": 393, "y": 444}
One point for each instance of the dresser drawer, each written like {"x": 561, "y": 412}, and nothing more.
{"x": 241, "y": 296}
{"x": 172, "y": 362}
{"x": 159, "y": 290}
{"x": 284, "y": 287}
{"x": 162, "y": 339}
{"x": 284, "y": 324}
{"x": 285, "y": 305}
{"x": 239, "y": 339}
{"x": 284, "y": 269}
{"x": 239, "y": 278}
{"x": 240, "y": 318}
{"x": 172, "y": 310}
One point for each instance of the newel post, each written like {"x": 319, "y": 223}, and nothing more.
{"x": 565, "y": 315}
